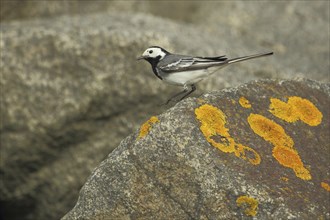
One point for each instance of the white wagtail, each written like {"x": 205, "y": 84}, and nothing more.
{"x": 185, "y": 70}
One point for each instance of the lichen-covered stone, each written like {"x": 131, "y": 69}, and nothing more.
{"x": 178, "y": 170}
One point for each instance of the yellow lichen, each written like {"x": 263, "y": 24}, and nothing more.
{"x": 269, "y": 130}
{"x": 290, "y": 158}
{"x": 325, "y": 186}
{"x": 283, "y": 178}
{"x": 296, "y": 109}
{"x": 145, "y": 128}
{"x": 250, "y": 204}
{"x": 241, "y": 151}
{"x": 244, "y": 102}
{"x": 213, "y": 122}
{"x": 283, "y": 150}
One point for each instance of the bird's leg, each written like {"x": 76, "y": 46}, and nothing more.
{"x": 187, "y": 91}
{"x": 176, "y": 95}
{"x": 193, "y": 88}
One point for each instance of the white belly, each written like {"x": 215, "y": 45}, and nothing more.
{"x": 183, "y": 78}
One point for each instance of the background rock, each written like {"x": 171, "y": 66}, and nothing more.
{"x": 174, "y": 172}
{"x": 71, "y": 89}
{"x": 293, "y": 30}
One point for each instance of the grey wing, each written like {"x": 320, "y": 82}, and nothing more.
{"x": 185, "y": 63}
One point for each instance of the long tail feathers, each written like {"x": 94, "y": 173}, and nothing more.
{"x": 239, "y": 59}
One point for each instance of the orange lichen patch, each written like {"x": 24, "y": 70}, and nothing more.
{"x": 289, "y": 157}
{"x": 145, "y": 128}
{"x": 296, "y": 109}
{"x": 269, "y": 130}
{"x": 325, "y": 186}
{"x": 283, "y": 150}
{"x": 244, "y": 102}
{"x": 244, "y": 152}
{"x": 250, "y": 204}
{"x": 213, "y": 122}
{"x": 283, "y": 110}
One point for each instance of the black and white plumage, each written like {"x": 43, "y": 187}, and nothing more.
{"x": 185, "y": 70}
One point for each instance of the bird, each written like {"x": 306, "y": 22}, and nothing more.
{"x": 185, "y": 70}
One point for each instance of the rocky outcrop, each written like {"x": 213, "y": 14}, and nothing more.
{"x": 258, "y": 150}
{"x": 71, "y": 88}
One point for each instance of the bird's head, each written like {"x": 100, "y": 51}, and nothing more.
{"x": 153, "y": 54}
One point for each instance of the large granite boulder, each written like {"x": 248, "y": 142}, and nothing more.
{"x": 259, "y": 150}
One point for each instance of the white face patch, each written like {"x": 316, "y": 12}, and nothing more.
{"x": 154, "y": 52}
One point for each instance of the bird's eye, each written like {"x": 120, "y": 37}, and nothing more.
{"x": 150, "y": 51}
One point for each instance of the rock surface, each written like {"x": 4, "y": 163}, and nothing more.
{"x": 71, "y": 89}
{"x": 225, "y": 155}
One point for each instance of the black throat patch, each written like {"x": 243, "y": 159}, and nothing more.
{"x": 154, "y": 62}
